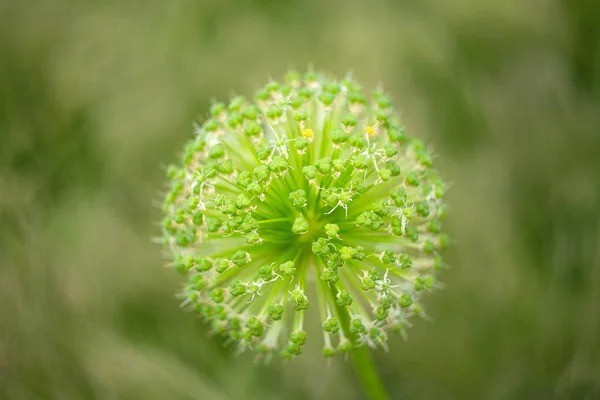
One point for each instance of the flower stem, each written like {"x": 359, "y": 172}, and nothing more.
{"x": 367, "y": 374}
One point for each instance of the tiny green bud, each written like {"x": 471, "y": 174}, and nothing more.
{"x": 300, "y": 226}
{"x": 298, "y": 198}
{"x": 332, "y": 230}
{"x": 344, "y": 299}
{"x": 217, "y": 151}
{"x": 287, "y": 268}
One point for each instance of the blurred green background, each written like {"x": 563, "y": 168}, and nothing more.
{"x": 97, "y": 97}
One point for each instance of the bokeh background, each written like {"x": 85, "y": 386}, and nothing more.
{"x": 97, "y": 97}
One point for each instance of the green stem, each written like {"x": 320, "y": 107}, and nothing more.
{"x": 367, "y": 374}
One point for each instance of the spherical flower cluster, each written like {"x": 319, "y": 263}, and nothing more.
{"x": 310, "y": 198}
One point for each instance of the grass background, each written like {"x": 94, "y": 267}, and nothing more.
{"x": 96, "y": 97}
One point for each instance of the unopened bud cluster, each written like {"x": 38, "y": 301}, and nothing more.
{"x": 307, "y": 198}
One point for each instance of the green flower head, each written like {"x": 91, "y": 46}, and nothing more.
{"x": 309, "y": 198}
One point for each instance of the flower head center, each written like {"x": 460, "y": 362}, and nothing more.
{"x": 315, "y": 229}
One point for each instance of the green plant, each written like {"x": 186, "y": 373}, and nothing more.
{"x": 312, "y": 184}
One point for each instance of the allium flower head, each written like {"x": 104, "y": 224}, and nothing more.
{"x": 308, "y": 198}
